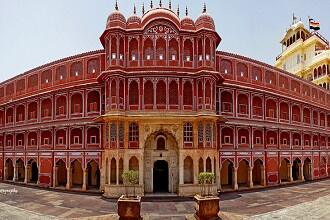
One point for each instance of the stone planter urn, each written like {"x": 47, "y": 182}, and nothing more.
{"x": 207, "y": 208}
{"x": 129, "y": 208}
{"x": 206, "y": 205}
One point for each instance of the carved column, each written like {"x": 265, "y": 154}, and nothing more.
{"x": 250, "y": 177}
{"x": 6, "y": 173}
{"x": 15, "y": 172}
{"x": 235, "y": 178}
{"x": 68, "y": 177}
{"x": 85, "y": 174}
{"x": 55, "y": 181}
{"x": 301, "y": 173}
{"x": 263, "y": 176}
{"x": 289, "y": 167}
{"x": 26, "y": 174}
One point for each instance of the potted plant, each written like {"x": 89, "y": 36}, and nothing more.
{"x": 129, "y": 205}
{"x": 206, "y": 204}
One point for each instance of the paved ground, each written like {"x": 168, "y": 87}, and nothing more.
{"x": 304, "y": 201}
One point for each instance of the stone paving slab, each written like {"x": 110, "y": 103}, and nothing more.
{"x": 303, "y": 201}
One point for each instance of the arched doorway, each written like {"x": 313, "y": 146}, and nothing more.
{"x": 93, "y": 175}
{"x": 284, "y": 170}
{"x": 257, "y": 172}
{"x": 10, "y": 169}
{"x": 61, "y": 173}
{"x": 227, "y": 174}
{"x": 161, "y": 146}
{"x": 160, "y": 176}
{"x": 243, "y": 173}
{"x": 296, "y": 169}
{"x": 33, "y": 171}
{"x": 20, "y": 170}
{"x": 77, "y": 174}
{"x": 308, "y": 169}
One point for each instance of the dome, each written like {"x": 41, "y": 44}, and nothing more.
{"x": 187, "y": 23}
{"x": 205, "y": 21}
{"x": 133, "y": 22}
{"x": 160, "y": 13}
{"x": 116, "y": 19}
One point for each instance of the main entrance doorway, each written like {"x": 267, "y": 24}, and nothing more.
{"x": 160, "y": 176}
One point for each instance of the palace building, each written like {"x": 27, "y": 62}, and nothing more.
{"x": 305, "y": 54}
{"x": 160, "y": 99}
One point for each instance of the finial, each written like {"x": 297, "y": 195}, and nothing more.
{"x": 187, "y": 11}
{"x": 204, "y": 9}
{"x": 160, "y": 3}
{"x": 134, "y": 10}
{"x": 294, "y": 19}
{"x": 143, "y": 8}
{"x": 151, "y": 4}
{"x": 178, "y": 11}
{"x": 116, "y": 6}
{"x": 170, "y": 5}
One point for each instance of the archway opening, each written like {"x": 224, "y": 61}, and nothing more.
{"x": 93, "y": 175}
{"x": 284, "y": 170}
{"x": 227, "y": 174}
{"x": 307, "y": 169}
{"x": 61, "y": 173}
{"x": 77, "y": 174}
{"x": 20, "y": 170}
{"x": 33, "y": 171}
{"x": 243, "y": 173}
{"x": 10, "y": 169}
{"x": 160, "y": 176}
{"x": 257, "y": 172}
{"x": 296, "y": 169}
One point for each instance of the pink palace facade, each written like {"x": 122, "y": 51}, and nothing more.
{"x": 160, "y": 99}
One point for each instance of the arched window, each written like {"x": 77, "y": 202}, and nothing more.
{"x": 161, "y": 93}
{"x": 187, "y": 94}
{"x": 161, "y": 49}
{"x": 173, "y": 90}
{"x": 133, "y": 50}
{"x": 161, "y": 143}
{"x": 76, "y": 70}
{"x": 188, "y": 51}
{"x": 134, "y": 164}
{"x": 93, "y": 66}
{"x": 121, "y": 94}
{"x": 208, "y": 93}
{"x": 200, "y": 94}
{"x": 113, "y": 91}
{"x": 174, "y": 53}
{"x": 188, "y": 133}
{"x": 188, "y": 170}
{"x": 148, "y": 49}
{"x": 148, "y": 94}
{"x": 133, "y": 93}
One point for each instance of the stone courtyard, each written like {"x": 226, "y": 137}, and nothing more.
{"x": 301, "y": 201}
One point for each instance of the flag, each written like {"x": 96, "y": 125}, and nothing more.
{"x": 314, "y": 25}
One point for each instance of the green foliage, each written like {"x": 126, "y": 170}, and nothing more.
{"x": 206, "y": 179}
{"x": 131, "y": 177}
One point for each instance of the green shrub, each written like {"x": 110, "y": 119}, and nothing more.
{"x": 131, "y": 179}
{"x": 206, "y": 179}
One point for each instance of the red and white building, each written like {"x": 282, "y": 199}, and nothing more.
{"x": 161, "y": 100}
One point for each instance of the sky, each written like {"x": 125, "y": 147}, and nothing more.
{"x": 35, "y": 32}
